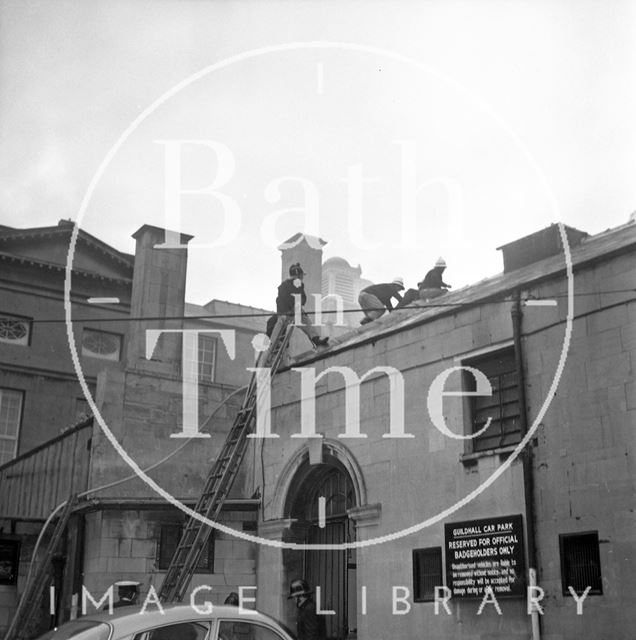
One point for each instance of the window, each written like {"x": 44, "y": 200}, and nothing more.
{"x": 427, "y": 573}
{"x": 10, "y": 416}
{"x": 99, "y": 344}
{"x": 14, "y": 329}
{"x": 580, "y": 563}
{"x": 179, "y": 631}
{"x": 231, "y": 630}
{"x": 502, "y": 406}
{"x": 79, "y": 629}
{"x": 207, "y": 358}
{"x": 169, "y": 539}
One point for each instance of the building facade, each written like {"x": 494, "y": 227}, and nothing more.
{"x": 495, "y": 446}
{"x": 168, "y": 404}
{"x": 429, "y": 468}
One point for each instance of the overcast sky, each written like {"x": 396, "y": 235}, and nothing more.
{"x": 432, "y": 128}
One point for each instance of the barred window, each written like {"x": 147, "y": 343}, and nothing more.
{"x": 169, "y": 537}
{"x": 427, "y": 573}
{"x": 15, "y": 329}
{"x": 10, "y": 415}
{"x": 502, "y": 407}
{"x": 100, "y": 344}
{"x": 580, "y": 563}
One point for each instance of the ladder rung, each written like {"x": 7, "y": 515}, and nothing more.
{"x": 221, "y": 476}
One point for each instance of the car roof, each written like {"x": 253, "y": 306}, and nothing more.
{"x": 123, "y": 617}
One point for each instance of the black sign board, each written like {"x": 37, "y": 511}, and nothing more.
{"x": 485, "y": 553}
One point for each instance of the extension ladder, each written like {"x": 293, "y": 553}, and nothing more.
{"x": 34, "y": 590}
{"x": 221, "y": 476}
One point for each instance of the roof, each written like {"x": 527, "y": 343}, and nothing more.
{"x": 65, "y": 228}
{"x": 313, "y": 241}
{"x": 231, "y": 314}
{"x": 594, "y": 248}
{"x": 52, "y": 266}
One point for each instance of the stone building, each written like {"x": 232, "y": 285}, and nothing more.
{"x": 121, "y": 529}
{"x": 494, "y": 447}
{"x": 495, "y": 440}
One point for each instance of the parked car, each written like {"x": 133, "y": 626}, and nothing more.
{"x": 178, "y": 622}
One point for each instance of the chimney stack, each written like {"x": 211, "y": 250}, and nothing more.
{"x": 307, "y": 250}
{"x": 158, "y": 291}
{"x": 537, "y": 246}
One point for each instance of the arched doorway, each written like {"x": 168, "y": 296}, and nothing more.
{"x": 321, "y": 495}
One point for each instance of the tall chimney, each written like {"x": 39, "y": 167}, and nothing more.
{"x": 307, "y": 250}
{"x": 158, "y": 292}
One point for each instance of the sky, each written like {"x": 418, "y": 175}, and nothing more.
{"x": 396, "y": 131}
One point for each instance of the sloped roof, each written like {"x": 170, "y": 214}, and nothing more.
{"x": 65, "y": 228}
{"x": 53, "y": 266}
{"x": 313, "y": 241}
{"x": 593, "y": 248}
{"x": 230, "y": 314}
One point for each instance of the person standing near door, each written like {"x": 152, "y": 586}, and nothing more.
{"x": 309, "y": 624}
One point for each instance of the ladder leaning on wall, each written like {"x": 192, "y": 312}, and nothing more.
{"x": 34, "y": 591}
{"x": 221, "y": 476}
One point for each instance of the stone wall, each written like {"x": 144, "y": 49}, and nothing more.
{"x": 123, "y": 545}
{"x": 583, "y": 456}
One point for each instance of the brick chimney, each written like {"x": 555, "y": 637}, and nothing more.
{"x": 307, "y": 250}
{"x": 158, "y": 291}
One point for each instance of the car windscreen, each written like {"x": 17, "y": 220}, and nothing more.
{"x": 79, "y": 630}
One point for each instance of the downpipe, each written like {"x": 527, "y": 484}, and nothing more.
{"x": 526, "y": 458}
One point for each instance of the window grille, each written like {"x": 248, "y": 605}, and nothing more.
{"x": 100, "y": 344}
{"x": 580, "y": 563}
{"x": 427, "y": 573}
{"x": 502, "y": 406}
{"x": 14, "y": 329}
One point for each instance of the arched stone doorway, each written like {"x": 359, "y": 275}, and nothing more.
{"x": 334, "y": 572}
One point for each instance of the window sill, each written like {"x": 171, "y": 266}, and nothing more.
{"x": 469, "y": 459}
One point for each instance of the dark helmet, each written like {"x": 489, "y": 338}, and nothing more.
{"x": 296, "y": 270}
{"x": 298, "y": 588}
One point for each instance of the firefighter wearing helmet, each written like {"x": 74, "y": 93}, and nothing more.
{"x": 309, "y": 624}
{"x": 288, "y": 291}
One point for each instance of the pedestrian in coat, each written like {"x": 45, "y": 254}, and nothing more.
{"x": 309, "y": 624}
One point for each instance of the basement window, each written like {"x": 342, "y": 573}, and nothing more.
{"x": 501, "y": 407}
{"x": 169, "y": 537}
{"x": 427, "y": 573}
{"x": 580, "y": 563}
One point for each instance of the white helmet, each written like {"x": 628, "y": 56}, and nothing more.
{"x": 399, "y": 281}
{"x": 440, "y": 262}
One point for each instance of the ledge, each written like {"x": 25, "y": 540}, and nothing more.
{"x": 468, "y": 459}
{"x": 367, "y": 515}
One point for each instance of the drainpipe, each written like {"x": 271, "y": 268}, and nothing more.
{"x": 526, "y": 457}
